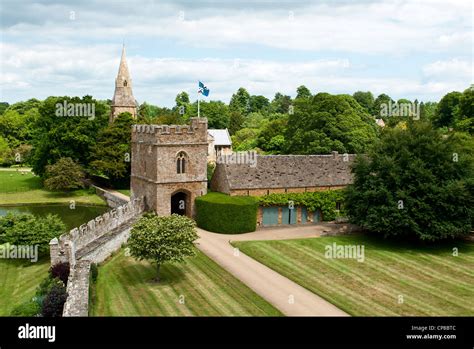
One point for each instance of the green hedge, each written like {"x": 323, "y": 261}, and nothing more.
{"x": 226, "y": 214}
{"x": 313, "y": 201}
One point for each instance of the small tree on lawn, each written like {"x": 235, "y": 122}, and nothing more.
{"x": 162, "y": 239}
{"x": 64, "y": 175}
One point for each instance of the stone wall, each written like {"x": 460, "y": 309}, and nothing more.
{"x": 64, "y": 249}
{"x": 155, "y": 149}
{"x": 112, "y": 200}
{"x": 92, "y": 242}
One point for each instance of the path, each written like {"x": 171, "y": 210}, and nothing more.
{"x": 289, "y": 297}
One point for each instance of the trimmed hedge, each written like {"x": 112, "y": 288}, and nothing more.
{"x": 221, "y": 213}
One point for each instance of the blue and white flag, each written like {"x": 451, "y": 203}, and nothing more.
{"x": 203, "y": 89}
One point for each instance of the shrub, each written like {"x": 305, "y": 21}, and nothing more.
{"x": 54, "y": 301}
{"x": 29, "y": 308}
{"x": 26, "y": 229}
{"x": 60, "y": 271}
{"x": 226, "y": 214}
{"x": 325, "y": 201}
{"x": 64, "y": 175}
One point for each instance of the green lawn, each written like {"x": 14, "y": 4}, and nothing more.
{"x": 124, "y": 191}
{"x": 430, "y": 279}
{"x": 17, "y": 188}
{"x": 125, "y": 287}
{"x": 19, "y": 280}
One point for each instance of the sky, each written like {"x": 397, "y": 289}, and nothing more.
{"x": 417, "y": 49}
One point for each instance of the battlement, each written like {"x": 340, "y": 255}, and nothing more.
{"x": 196, "y": 130}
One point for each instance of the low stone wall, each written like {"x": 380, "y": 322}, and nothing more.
{"x": 112, "y": 200}
{"x": 64, "y": 249}
{"x": 91, "y": 243}
{"x": 77, "y": 302}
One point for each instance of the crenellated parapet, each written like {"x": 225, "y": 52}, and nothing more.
{"x": 162, "y": 134}
{"x": 64, "y": 249}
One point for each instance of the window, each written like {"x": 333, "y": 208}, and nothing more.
{"x": 181, "y": 162}
{"x": 338, "y": 206}
{"x": 125, "y": 83}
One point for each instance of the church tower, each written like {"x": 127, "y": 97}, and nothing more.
{"x": 123, "y": 100}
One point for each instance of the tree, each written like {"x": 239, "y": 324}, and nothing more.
{"x": 381, "y": 100}
{"x": 415, "y": 184}
{"x": 236, "y": 121}
{"x": 465, "y": 111}
{"x": 29, "y": 230}
{"x": 446, "y": 112}
{"x": 162, "y": 239}
{"x": 259, "y": 104}
{"x": 302, "y": 92}
{"x": 112, "y": 153}
{"x": 66, "y": 136}
{"x": 3, "y": 106}
{"x": 245, "y": 139}
{"x": 216, "y": 112}
{"x": 240, "y": 101}
{"x": 365, "y": 99}
{"x": 271, "y": 138}
{"x": 328, "y": 123}
{"x": 65, "y": 174}
{"x": 281, "y": 103}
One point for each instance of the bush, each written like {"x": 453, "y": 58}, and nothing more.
{"x": 54, "y": 301}
{"x": 30, "y": 308}
{"x": 26, "y": 229}
{"x": 60, "y": 271}
{"x": 226, "y": 214}
{"x": 325, "y": 201}
{"x": 64, "y": 175}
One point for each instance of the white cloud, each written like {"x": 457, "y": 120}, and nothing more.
{"x": 454, "y": 69}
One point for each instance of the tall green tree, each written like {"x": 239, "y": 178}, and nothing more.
{"x": 281, "y": 103}
{"x": 365, "y": 99}
{"x": 111, "y": 156}
{"x": 236, "y": 120}
{"x": 465, "y": 111}
{"x": 381, "y": 100}
{"x": 303, "y": 92}
{"x": 66, "y": 136}
{"x": 216, "y": 112}
{"x": 240, "y": 102}
{"x": 328, "y": 123}
{"x": 415, "y": 183}
{"x": 447, "y": 108}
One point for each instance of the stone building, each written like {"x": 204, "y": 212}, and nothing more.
{"x": 123, "y": 100}
{"x": 169, "y": 165}
{"x": 219, "y": 143}
{"x": 283, "y": 174}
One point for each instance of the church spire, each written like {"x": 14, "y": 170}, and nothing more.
{"x": 123, "y": 100}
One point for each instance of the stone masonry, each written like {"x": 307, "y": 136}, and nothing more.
{"x": 156, "y": 150}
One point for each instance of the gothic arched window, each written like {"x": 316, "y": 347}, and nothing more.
{"x": 181, "y": 162}
{"x": 125, "y": 83}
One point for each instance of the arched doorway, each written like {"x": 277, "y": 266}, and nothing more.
{"x": 179, "y": 203}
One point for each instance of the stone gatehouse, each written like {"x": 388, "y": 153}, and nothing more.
{"x": 169, "y": 165}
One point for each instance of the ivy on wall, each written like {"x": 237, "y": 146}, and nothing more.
{"x": 326, "y": 201}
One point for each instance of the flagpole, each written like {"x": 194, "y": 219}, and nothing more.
{"x": 198, "y": 106}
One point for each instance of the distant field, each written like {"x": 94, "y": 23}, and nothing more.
{"x": 16, "y": 188}
{"x": 125, "y": 288}
{"x": 18, "y": 282}
{"x": 393, "y": 280}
